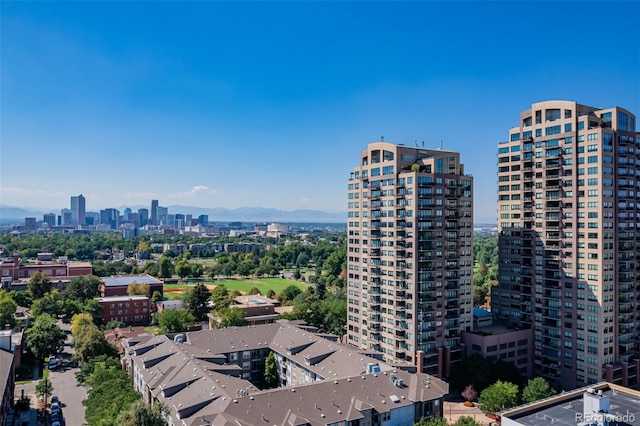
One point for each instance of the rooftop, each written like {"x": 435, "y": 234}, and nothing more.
{"x": 121, "y": 298}
{"x": 124, "y": 280}
{"x": 198, "y": 385}
{"x": 568, "y": 408}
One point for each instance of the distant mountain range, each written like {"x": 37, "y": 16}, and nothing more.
{"x": 12, "y": 214}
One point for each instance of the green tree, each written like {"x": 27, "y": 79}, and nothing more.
{"x": 536, "y": 389}
{"x": 271, "y": 294}
{"x": 44, "y": 388}
{"x": 467, "y": 421}
{"x": 89, "y": 342}
{"x": 287, "y": 295}
{"x": 22, "y": 298}
{"x": 71, "y": 307}
{"x": 182, "y": 267}
{"x": 50, "y": 303}
{"x": 197, "y": 270}
{"x": 82, "y": 288}
{"x": 88, "y": 367}
{"x": 221, "y": 297}
{"x": 296, "y": 273}
{"x": 156, "y": 297}
{"x": 140, "y": 414}
{"x": 499, "y": 396}
{"x": 230, "y": 317}
{"x": 270, "y": 379}
{"x": 165, "y": 268}
{"x": 110, "y": 392}
{"x": 431, "y": 421}
{"x": 80, "y": 320}
{"x": 38, "y": 285}
{"x": 44, "y": 337}
{"x": 254, "y": 290}
{"x": 197, "y": 301}
{"x": 8, "y": 308}
{"x": 152, "y": 268}
{"x": 94, "y": 308}
{"x": 141, "y": 289}
{"x": 175, "y": 320}
{"x": 336, "y": 262}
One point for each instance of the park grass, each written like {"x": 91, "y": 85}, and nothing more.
{"x": 262, "y": 284}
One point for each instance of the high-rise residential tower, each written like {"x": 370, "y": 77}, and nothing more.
{"x": 410, "y": 255}
{"x": 78, "y": 210}
{"x": 568, "y": 206}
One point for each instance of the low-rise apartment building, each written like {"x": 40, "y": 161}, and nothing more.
{"x": 127, "y": 309}
{"x": 211, "y": 377}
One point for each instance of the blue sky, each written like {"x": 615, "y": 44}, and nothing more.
{"x": 217, "y": 104}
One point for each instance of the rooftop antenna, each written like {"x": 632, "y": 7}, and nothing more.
{"x": 423, "y": 144}
{"x": 441, "y": 145}
{"x": 416, "y": 144}
{"x": 381, "y": 138}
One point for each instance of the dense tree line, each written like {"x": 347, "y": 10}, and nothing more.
{"x": 485, "y": 273}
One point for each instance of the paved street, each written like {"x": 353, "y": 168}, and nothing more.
{"x": 64, "y": 384}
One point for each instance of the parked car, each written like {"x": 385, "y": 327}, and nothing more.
{"x": 55, "y": 424}
{"x": 55, "y": 417}
{"x": 54, "y": 398}
{"x": 53, "y": 362}
{"x": 55, "y": 407}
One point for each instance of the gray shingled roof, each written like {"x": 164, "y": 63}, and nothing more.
{"x": 6, "y": 361}
{"x": 194, "y": 381}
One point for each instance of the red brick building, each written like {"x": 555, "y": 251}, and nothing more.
{"x": 14, "y": 269}
{"x": 117, "y": 286}
{"x": 128, "y": 309}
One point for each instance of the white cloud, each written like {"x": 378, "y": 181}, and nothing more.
{"x": 196, "y": 190}
{"x": 21, "y": 192}
{"x": 305, "y": 199}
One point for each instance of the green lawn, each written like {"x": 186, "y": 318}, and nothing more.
{"x": 262, "y": 284}
{"x": 243, "y": 285}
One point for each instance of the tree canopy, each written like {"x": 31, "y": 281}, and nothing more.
{"x": 498, "y": 397}
{"x": 38, "y": 285}
{"x": 175, "y": 320}
{"x": 8, "y": 308}
{"x": 536, "y": 389}
{"x": 197, "y": 301}
{"x": 44, "y": 337}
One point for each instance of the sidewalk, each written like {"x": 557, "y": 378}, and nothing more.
{"x": 453, "y": 410}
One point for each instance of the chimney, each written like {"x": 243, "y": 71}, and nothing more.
{"x": 16, "y": 260}
{"x": 420, "y": 361}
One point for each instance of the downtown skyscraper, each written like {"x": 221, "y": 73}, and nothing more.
{"x": 568, "y": 208}
{"x": 410, "y": 255}
{"x": 78, "y": 210}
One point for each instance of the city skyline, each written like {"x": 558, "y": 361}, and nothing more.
{"x": 263, "y": 104}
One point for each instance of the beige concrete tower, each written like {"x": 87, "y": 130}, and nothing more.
{"x": 410, "y": 255}
{"x": 568, "y": 187}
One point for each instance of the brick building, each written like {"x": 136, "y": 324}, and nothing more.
{"x": 128, "y": 309}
